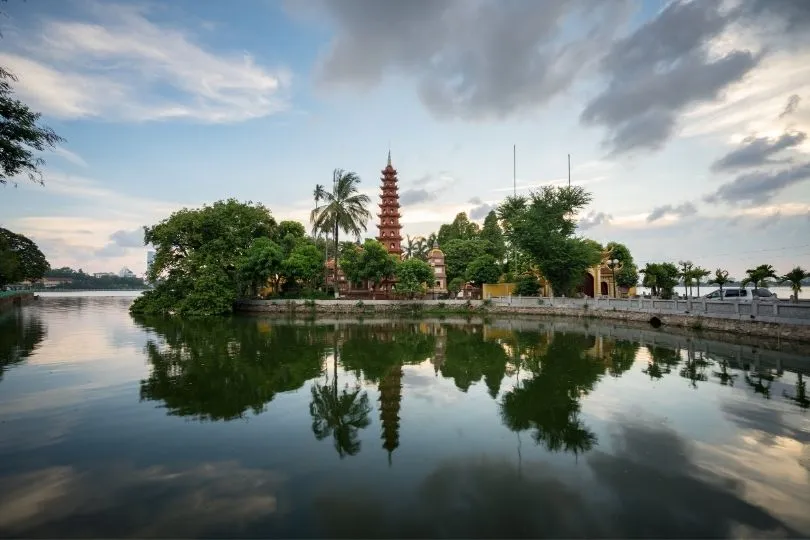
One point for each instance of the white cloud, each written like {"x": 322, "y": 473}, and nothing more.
{"x": 116, "y": 65}
{"x": 66, "y": 154}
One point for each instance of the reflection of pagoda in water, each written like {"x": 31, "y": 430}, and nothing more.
{"x": 390, "y": 402}
{"x": 440, "y": 333}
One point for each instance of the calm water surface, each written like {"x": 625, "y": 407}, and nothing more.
{"x": 112, "y": 426}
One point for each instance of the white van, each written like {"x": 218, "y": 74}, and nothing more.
{"x": 742, "y": 294}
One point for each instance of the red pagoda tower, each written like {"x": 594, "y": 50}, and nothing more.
{"x": 389, "y": 214}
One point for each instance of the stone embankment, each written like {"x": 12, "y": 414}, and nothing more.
{"x": 738, "y": 320}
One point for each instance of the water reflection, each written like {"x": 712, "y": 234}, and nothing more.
{"x": 393, "y": 428}
{"x": 21, "y": 332}
{"x": 218, "y": 369}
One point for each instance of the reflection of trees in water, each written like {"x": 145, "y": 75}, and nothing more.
{"x": 469, "y": 358}
{"x": 760, "y": 382}
{"x": 549, "y": 402}
{"x": 217, "y": 369}
{"x": 694, "y": 368}
{"x": 799, "y": 396}
{"x": 662, "y": 360}
{"x": 339, "y": 414}
{"x": 21, "y": 332}
{"x": 377, "y": 354}
{"x": 726, "y": 378}
{"x": 621, "y": 357}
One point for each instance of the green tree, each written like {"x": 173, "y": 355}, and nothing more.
{"x": 21, "y": 135}
{"x": 795, "y": 278}
{"x": 483, "y": 270}
{"x": 262, "y": 261}
{"x": 304, "y": 265}
{"x": 412, "y": 275}
{"x": 627, "y": 274}
{"x": 196, "y": 257}
{"x": 287, "y": 235}
{"x": 458, "y": 254}
{"x": 491, "y": 232}
{"x": 687, "y": 275}
{"x": 455, "y": 285}
{"x": 20, "y": 258}
{"x": 700, "y": 273}
{"x": 345, "y": 210}
{"x": 759, "y": 275}
{"x": 370, "y": 263}
{"x": 409, "y": 249}
{"x": 543, "y": 227}
{"x": 661, "y": 278}
{"x": 720, "y": 279}
{"x": 527, "y": 285}
{"x": 460, "y": 229}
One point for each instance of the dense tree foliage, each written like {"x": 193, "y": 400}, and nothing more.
{"x": 261, "y": 262}
{"x": 527, "y": 285}
{"x": 458, "y": 254}
{"x": 627, "y": 273}
{"x": 661, "y": 278}
{"x": 197, "y": 253}
{"x": 482, "y": 270}
{"x": 79, "y": 280}
{"x": 20, "y": 258}
{"x": 460, "y": 229}
{"x": 491, "y": 232}
{"x": 371, "y": 263}
{"x": 412, "y": 276}
{"x": 304, "y": 266}
{"x": 543, "y": 226}
{"x": 21, "y": 135}
{"x": 758, "y": 276}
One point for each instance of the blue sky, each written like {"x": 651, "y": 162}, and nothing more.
{"x": 165, "y": 105}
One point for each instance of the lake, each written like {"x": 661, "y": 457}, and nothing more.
{"x": 253, "y": 427}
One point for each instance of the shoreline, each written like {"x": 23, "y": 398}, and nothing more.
{"x": 733, "y": 326}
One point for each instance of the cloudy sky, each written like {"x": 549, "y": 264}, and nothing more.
{"x": 687, "y": 121}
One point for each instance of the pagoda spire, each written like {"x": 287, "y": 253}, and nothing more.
{"x": 389, "y": 155}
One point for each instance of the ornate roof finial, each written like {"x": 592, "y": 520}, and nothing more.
{"x": 389, "y": 154}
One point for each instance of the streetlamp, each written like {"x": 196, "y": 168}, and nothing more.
{"x": 613, "y": 264}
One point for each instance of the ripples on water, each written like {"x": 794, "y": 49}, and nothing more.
{"x": 251, "y": 427}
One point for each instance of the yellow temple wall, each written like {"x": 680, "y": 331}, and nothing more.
{"x": 497, "y": 289}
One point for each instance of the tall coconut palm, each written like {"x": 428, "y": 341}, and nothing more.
{"x": 410, "y": 246}
{"x": 720, "y": 278}
{"x": 795, "y": 278}
{"x": 758, "y": 275}
{"x": 319, "y": 194}
{"x": 422, "y": 248}
{"x": 345, "y": 210}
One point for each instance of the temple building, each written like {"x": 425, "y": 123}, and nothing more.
{"x": 436, "y": 261}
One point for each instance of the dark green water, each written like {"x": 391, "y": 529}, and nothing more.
{"x": 113, "y": 427}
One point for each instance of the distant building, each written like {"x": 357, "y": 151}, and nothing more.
{"x": 150, "y": 260}
{"x": 50, "y": 282}
{"x": 126, "y": 273}
{"x": 103, "y": 274}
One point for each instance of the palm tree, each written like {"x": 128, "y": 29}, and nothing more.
{"x": 432, "y": 239}
{"x": 758, "y": 275}
{"x": 410, "y": 246}
{"x": 340, "y": 415}
{"x": 345, "y": 210}
{"x": 700, "y": 273}
{"x": 422, "y": 248}
{"x": 795, "y": 278}
{"x": 720, "y": 278}
{"x": 319, "y": 194}
{"x": 687, "y": 274}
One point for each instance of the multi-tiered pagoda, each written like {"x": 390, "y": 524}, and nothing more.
{"x": 389, "y": 215}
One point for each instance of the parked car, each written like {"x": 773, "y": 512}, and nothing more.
{"x": 742, "y": 294}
